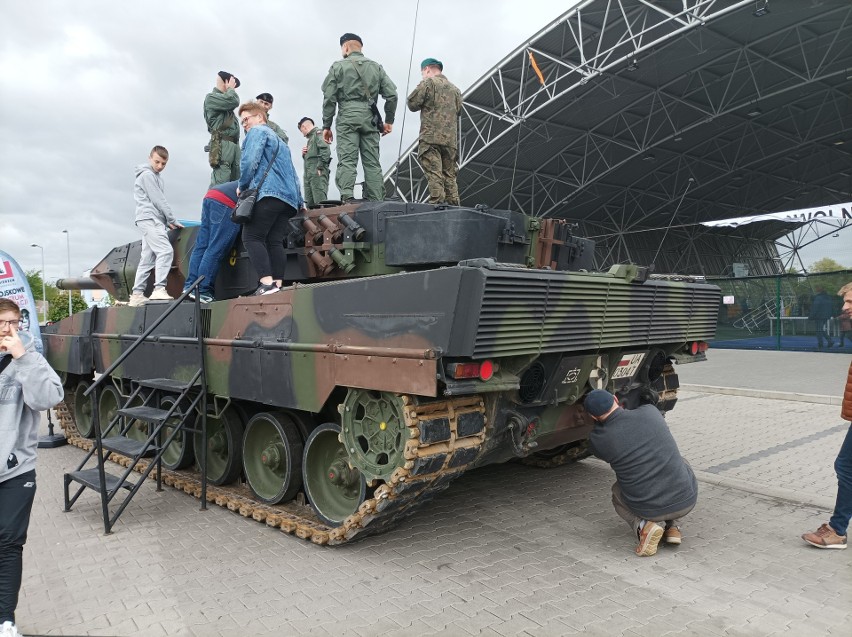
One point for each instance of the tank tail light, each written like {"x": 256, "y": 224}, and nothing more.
{"x": 696, "y": 347}
{"x": 483, "y": 371}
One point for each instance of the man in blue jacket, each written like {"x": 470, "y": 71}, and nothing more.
{"x": 28, "y": 385}
{"x": 655, "y": 487}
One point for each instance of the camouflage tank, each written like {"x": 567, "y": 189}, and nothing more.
{"x": 413, "y": 343}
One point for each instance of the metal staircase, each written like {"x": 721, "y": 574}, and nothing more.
{"x": 186, "y": 415}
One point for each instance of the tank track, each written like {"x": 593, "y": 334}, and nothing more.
{"x": 429, "y": 468}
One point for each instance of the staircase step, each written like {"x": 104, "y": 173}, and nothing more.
{"x": 128, "y": 446}
{"x": 166, "y": 384}
{"x": 146, "y": 414}
{"x": 90, "y": 478}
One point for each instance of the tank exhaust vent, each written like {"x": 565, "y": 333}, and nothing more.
{"x": 532, "y": 382}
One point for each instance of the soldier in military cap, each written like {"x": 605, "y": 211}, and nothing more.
{"x": 317, "y": 156}
{"x": 223, "y": 149}
{"x": 439, "y": 103}
{"x": 265, "y": 100}
{"x": 351, "y": 88}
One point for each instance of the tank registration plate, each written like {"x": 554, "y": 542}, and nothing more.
{"x": 628, "y": 365}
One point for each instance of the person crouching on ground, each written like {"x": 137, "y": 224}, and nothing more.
{"x": 27, "y": 386}
{"x": 833, "y": 534}
{"x": 153, "y": 216}
{"x": 215, "y": 238}
{"x": 278, "y": 198}
{"x": 655, "y": 487}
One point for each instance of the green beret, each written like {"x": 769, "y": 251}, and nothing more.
{"x": 432, "y": 62}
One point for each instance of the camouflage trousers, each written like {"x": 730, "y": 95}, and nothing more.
{"x": 356, "y": 135}
{"x": 229, "y": 165}
{"x": 440, "y": 165}
{"x": 316, "y": 184}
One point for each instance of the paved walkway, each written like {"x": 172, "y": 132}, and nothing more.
{"x": 507, "y": 550}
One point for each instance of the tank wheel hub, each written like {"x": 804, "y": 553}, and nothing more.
{"x": 341, "y": 475}
{"x": 271, "y": 456}
{"x": 374, "y": 432}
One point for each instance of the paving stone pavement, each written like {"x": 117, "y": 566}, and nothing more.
{"x": 507, "y": 550}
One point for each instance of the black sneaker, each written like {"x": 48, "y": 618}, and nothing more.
{"x": 265, "y": 288}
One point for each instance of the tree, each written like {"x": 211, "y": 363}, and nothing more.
{"x": 826, "y": 264}
{"x": 34, "y": 279}
{"x": 59, "y": 306}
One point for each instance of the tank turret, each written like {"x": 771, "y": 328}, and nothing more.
{"x": 367, "y": 239}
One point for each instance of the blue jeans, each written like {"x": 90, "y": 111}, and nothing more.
{"x": 215, "y": 237}
{"x": 843, "y": 467}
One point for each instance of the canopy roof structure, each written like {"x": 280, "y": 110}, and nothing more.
{"x": 640, "y": 119}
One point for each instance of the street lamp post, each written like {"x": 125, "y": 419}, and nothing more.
{"x": 68, "y": 243}
{"x": 43, "y": 286}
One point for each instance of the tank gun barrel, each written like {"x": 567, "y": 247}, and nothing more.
{"x": 78, "y": 283}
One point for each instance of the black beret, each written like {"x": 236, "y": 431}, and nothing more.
{"x": 305, "y": 119}
{"x": 227, "y": 76}
{"x": 349, "y": 36}
{"x": 266, "y": 97}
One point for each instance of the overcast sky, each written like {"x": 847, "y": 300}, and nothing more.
{"x": 89, "y": 87}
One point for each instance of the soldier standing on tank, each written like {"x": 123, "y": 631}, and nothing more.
{"x": 223, "y": 149}
{"x": 265, "y": 100}
{"x": 439, "y": 103}
{"x": 317, "y": 156}
{"x": 351, "y": 88}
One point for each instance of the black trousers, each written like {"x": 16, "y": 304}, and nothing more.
{"x": 16, "y": 503}
{"x": 263, "y": 236}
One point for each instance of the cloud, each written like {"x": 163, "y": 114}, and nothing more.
{"x": 90, "y": 87}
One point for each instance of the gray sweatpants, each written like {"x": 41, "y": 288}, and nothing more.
{"x": 157, "y": 254}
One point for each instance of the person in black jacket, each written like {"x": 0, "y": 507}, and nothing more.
{"x": 655, "y": 487}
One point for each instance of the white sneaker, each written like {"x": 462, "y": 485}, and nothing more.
{"x": 136, "y": 300}
{"x": 8, "y": 630}
{"x": 160, "y": 294}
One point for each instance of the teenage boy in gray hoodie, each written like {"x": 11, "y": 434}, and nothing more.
{"x": 153, "y": 217}
{"x": 28, "y": 385}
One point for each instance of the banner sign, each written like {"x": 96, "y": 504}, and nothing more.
{"x": 14, "y": 286}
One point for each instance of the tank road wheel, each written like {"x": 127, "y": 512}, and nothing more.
{"x": 224, "y": 437}
{"x": 334, "y": 489}
{"x": 374, "y": 431}
{"x": 179, "y": 453}
{"x": 138, "y": 429}
{"x": 83, "y": 410}
{"x": 272, "y": 457}
{"x": 108, "y": 405}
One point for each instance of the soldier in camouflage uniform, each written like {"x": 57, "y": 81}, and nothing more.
{"x": 224, "y": 148}
{"x": 265, "y": 100}
{"x": 439, "y": 103}
{"x": 344, "y": 90}
{"x": 317, "y": 156}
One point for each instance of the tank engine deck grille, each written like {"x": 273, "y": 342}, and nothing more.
{"x": 560, "y": 312}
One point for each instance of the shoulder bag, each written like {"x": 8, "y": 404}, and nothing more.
{"x": 245, "y": 202}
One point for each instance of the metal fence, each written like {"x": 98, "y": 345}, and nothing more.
{"x": 789, "y": 312}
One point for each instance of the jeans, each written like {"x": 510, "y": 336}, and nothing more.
{"x": 633, "y": 520}
{"x": 263, "y": 236}
{"x": 822, "y": 332}
{"x": 16, "y": 503}
{"x": 157, "y": 253}
{"x": 215, "y": 238}
{"x": 843, "y": 467}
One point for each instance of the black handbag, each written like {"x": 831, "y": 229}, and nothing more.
{"x": 245, "y": 202}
